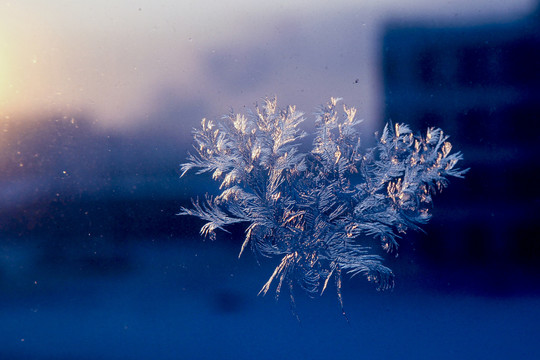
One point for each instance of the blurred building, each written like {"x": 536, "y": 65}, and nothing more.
{"x": 481, "y": 84}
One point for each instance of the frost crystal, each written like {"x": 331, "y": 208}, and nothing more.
{"x": 305, "y": 207}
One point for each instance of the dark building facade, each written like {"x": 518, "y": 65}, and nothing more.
{"x": 481, "y": 84}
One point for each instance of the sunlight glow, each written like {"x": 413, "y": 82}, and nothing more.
{"x": 5, "y": 81}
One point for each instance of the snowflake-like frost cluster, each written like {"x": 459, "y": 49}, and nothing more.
{"x": 314, "y": 210}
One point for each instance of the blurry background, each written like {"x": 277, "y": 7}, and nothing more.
{"x": 97, "y": 103}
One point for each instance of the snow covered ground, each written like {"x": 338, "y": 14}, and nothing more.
{"x": 196, "y": 300}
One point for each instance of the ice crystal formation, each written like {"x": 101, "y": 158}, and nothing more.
{"x": 316, "y": 210}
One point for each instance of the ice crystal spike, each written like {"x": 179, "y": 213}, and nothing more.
{"x": 304, "y": 207}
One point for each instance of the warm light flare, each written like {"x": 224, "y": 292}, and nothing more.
{"x": 7, "y": 81}
{"x": 4, "y": 78}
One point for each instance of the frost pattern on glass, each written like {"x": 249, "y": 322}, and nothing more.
{"x": 304, "y": 207}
